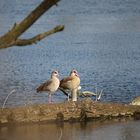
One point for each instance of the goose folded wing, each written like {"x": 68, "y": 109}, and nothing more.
{"x": 65, "y": 82}
{"x": 44, "y": 86}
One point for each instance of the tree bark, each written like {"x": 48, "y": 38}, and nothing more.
{"x": 11, "y": 38}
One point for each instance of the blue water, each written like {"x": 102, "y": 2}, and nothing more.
{"x": 101, "y": 40}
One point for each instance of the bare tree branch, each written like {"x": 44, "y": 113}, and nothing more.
{"x": 35, "y": 39}
{"x": 9, "y": 39}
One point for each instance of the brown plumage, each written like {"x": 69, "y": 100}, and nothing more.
{"x": 71, "y": 83}
{"x": 50, "y": 86}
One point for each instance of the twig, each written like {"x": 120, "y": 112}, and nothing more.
{"x": 96, "y": 91}
{"x": 60, "y": 134}
{"x": 85, "y": 93}
{"x": 100, "y": 94}
{"x": 7, "y": 98}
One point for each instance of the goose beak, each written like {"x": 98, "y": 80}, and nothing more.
{"x": 77, "y": 75}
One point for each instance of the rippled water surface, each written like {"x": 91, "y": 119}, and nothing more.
{"x": 101, "y": 40}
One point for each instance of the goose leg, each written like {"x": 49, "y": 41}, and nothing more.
{"x": 68, "y": 97}
{"x": 74, "y": 95}
{"x": 49, "y": 98}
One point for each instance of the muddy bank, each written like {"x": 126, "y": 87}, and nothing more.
{"x": 83, "y": 110}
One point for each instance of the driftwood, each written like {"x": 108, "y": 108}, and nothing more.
{"x": 11, "y": 38}
{"x": 84, "y": 110}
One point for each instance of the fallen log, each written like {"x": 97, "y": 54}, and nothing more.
{"x": 84, "y": 110}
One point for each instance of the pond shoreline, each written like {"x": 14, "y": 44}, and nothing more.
{"x": 81, "y": 111}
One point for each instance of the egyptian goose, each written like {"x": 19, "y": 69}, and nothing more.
{"x": 72, "y": 82}
{"x": 50, "y": 86}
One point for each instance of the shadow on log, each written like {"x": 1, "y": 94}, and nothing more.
{"x": 83, "y": 110}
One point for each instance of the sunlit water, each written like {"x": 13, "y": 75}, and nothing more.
{"x": 76, "y": 131}
{"x": 101, "y": 40}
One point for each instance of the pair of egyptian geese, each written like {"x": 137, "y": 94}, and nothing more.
{"x": 71, "y": 83}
